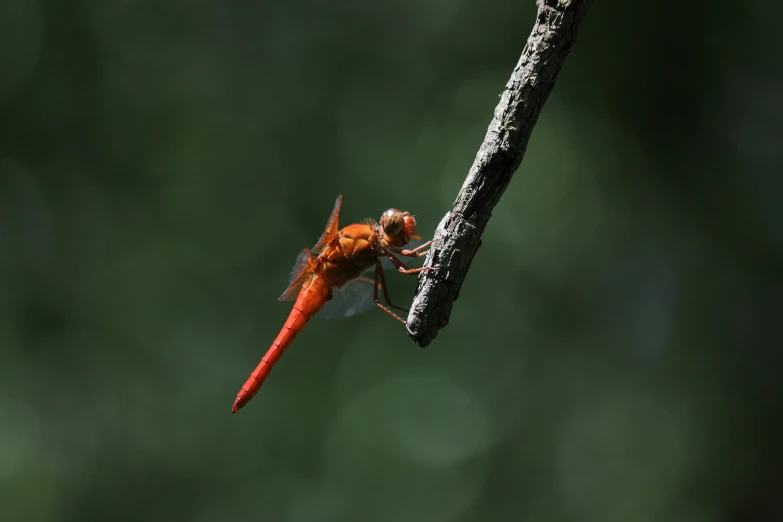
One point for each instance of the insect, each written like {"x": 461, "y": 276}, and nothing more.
{"x": 335, "y": 264}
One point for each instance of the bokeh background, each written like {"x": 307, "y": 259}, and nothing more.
{"x": 616, "y": 349}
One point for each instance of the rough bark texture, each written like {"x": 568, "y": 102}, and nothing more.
{"x": 458, "y": 236}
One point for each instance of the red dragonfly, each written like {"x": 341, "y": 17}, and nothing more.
{"x": 336, "y": 263}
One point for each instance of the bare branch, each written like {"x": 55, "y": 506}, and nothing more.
{"x": 458, "y": 236}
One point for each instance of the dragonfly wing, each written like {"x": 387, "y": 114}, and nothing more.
{"x": 303, "y": 271}
{"x": 354, "y": 297}
{"x": 330, "y": 232}
{"x": 306, "y": 261}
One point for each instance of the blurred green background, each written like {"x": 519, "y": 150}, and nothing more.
{"x": 616, "y": 349}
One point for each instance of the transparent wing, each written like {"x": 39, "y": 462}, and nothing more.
{"x": 302, "y": 272}
{"x": 306, "y": 261}
{"x": 357, "y": 296}
{"x": 330, "y": 232}
{"x": 354, "y": 297}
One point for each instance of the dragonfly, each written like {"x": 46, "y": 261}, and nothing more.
{"x": 335, "y": 266}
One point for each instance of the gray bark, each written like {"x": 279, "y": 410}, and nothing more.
{"x": 458, "y": 236}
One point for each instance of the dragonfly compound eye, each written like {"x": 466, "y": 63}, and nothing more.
{"x": 410, "y": 224}
{"x": 392, "y": 222}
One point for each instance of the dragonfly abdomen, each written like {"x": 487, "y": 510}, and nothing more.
{"x": 311, "y": 299}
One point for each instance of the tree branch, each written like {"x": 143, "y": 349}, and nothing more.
{"x": 458, "y": 236}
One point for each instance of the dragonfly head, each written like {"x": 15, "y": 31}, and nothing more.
{"x": 398, "y": 226}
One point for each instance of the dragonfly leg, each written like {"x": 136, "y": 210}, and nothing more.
{"x": 380, "y": 280}
{"x": 417, "y": 252}
{"x": 379, "y": 270}
{"x": 404, "y": 269}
